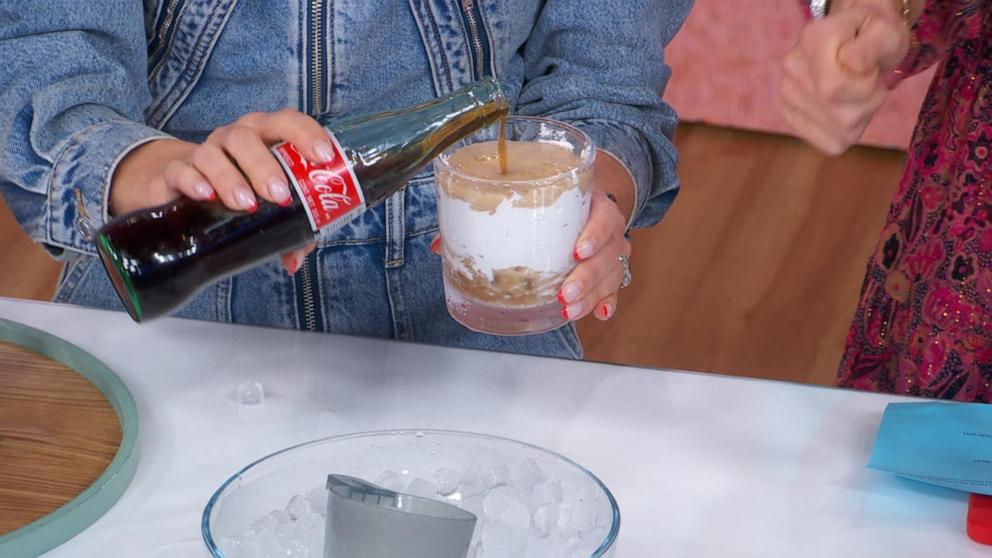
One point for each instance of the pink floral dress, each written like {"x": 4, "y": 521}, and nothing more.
{"x": 924, "y": 322}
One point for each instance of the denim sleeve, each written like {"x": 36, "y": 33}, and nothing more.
{"x": 73, "y": 88}
{"x": 600, "y": 66}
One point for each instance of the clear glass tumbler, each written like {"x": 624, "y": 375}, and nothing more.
{"x": 508, "y": 238}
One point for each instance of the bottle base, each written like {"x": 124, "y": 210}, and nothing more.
{"x": 119, "y": 277}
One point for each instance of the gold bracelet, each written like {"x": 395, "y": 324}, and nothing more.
{"x": 907, "y": 12}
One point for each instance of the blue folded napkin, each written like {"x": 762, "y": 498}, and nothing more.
{"x": 946, "y": 444}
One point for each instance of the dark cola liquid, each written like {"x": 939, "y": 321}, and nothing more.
{"x": 161, "y": 257}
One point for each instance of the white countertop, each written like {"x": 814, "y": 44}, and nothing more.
{"x": 701, "y": 465}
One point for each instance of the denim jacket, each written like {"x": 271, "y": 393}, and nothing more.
{"x": 83, "y": 83}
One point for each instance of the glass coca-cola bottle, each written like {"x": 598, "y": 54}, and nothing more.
{"x": 159, "y": 258}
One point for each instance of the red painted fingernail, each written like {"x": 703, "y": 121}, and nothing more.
{"x": 561, "y": 298}
{"x": 324, "y": 151}
{"x": 571, "y": 291}
{"x": 436, "y": 245}
{"x": 606, "y": 310}
{"x": 564, "y": 313}
{"x": 584, "y": 250}
{"x": 572, "y": 311}
{"x": 203, "y": 191}
{"x": 296, "y": 265}
{"x": 250, "y": 208}
{"x": 245, "y": 199}
{"x": 575, "y": 255}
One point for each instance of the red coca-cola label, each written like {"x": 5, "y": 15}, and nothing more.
{"x": 330, "y": 191}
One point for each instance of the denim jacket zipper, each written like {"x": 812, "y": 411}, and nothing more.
{"x": 160, "y": 42}
{"x": 308, "y": 291}
{"x": 472, "y": 16}
{"x": 317, "y": 100}
{"x": 307, "y": 288}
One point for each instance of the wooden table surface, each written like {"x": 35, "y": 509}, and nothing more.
{"x": 58, "y": 433}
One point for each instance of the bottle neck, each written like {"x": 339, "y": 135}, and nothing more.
{"x": 488, "y": 97}
{"x": 482, "y": 103}
{"x": 464, "y": 112}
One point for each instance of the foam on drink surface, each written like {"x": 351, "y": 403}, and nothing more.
{"x": 526, "y": 160}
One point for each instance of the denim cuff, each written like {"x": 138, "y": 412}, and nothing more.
{"x": 79, "y": 191}
{"x": 630, "y": 149}
{"x": 633, "y": 210}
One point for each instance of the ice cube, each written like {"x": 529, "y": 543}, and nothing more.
{"x": 497, "y": 476}
{"x": 516, "y": 516}
{"x": 317, "y": 498}
{"x": 313, "y": 538}
{"x": 565, "y": 513}
{"x": 547, "y": 493}
{"x": 281, "y": 517}
{"x": 268, "y": 544}
{"x": 422, "y": 488}
{"x": 296, "y": 549}
{"x": 499, "y": 540}
{"x": 577, "y": 548}
{"x": 597, "y": 534}
{"x": 446, "y": 480}
{"x": 497, "y": 502}
{"x": 582, "y": 494}
{"x": 265, "y": 523}
{"x": 286, "y": 532}
{"x": 390, "y": 480}
{"x": 555, "y": 546}
{"x": 584, "y": 516}
{"x": 546, "y": 519}
{"x": 235, "y": 547}
{"x": 470, "y": 481}
{"x": 475, "y": 505}
{"x": 250, "y": 393}
{"x": 526, "y": 475}
{"x": 249, "y": 550}
{"x": 297, "y": 508}
{"x": 311, "y": 520}
{"x": 542, "y": 548}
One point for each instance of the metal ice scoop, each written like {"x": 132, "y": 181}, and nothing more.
{"x": 367, "y": 521}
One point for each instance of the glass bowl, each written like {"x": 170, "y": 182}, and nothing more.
{"x": 277, "y": 505}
